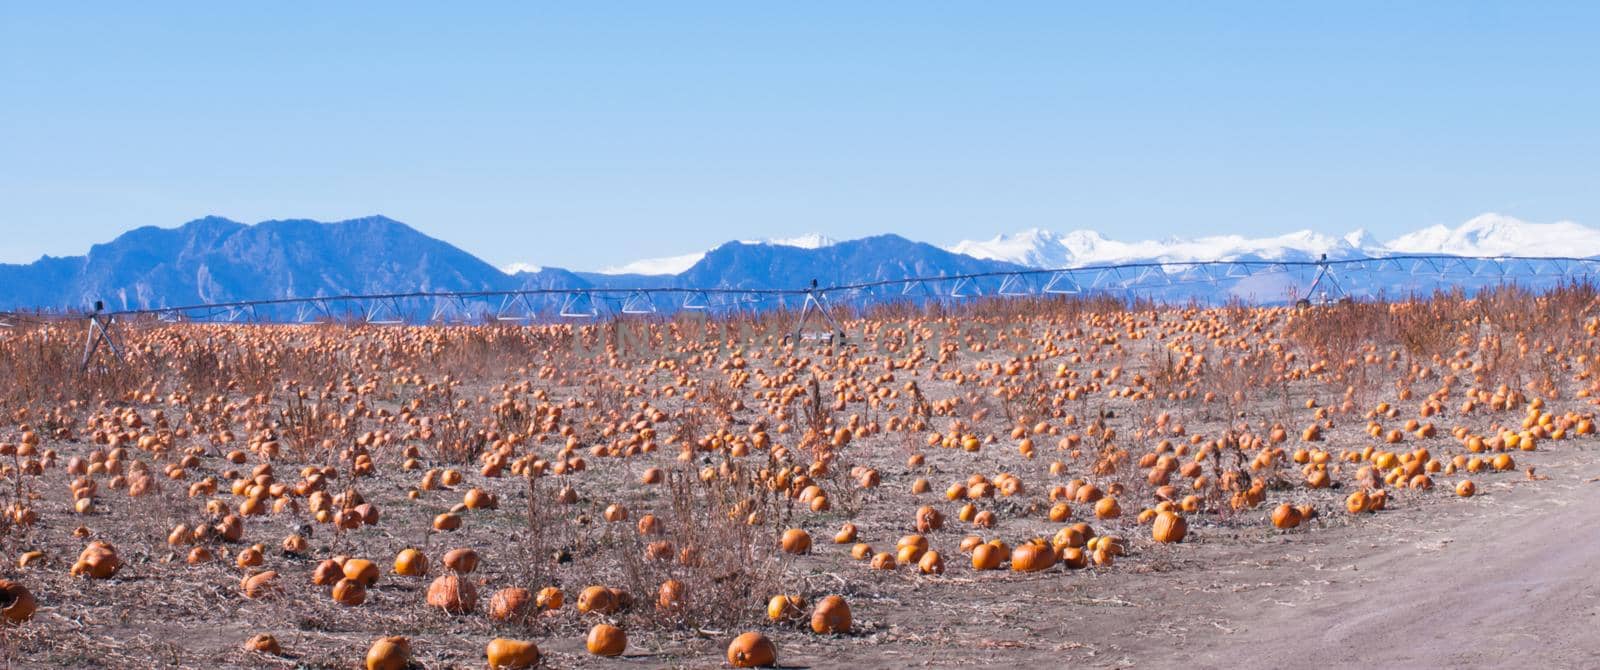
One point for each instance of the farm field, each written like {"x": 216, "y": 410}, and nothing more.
{"x": 1058, "y": 481}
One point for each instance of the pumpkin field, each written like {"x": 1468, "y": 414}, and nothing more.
{"x": 1080, "y": 481}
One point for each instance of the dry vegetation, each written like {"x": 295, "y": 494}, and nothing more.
{"x": 690, "y": 493}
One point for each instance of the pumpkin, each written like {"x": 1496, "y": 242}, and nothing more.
{"x": 452, "y": 594}
{"x": 1357, "y": 503}
{"x": 509, "y": 603}
{"x": 597, "y": 599}
{"x": 389, "y": 653}
{"x": 264, "y": 643}
{"x": 1069, "y": 536}
{"x": 511, "y": 654}
{"x": 671, "y": 595}
{"x": 550, "y": 598}
{"x": 831, "y": 616}
{"x": 260, "y": 585}
{"x": 752, "y": 650}
{"x": 461, "y": 560}
{"x": 1169, "y": 527}
{"x": 1466, "y": 488}
{"x": 1378, "y": 500}
{"x": 796, "y": 541}
{"x": 883, "y": 561}
{"x": 1285, "y": 516}
{"x": 295, "y": 545}
{"x": 477, "y": 498}
{"x": 199, "y": 555}
{"x": 99, "y": 560}
{"x": 249, "y": 558}
{"x": 327, "y": 572}
{"x": 350, "y": 592}
{"x": 615, "y": 513}
{"x": 846, "y": 534}
{"x": 16, "y": 602}
{"x": 1032, "y": 557}
{"x": 410, "y": 563}
{"x": 781, "y": 608}
{"x": 931, "y": 563}
{"x": 361, "y": 570}
{"x": 1074, "y": 558}
{"x": 929, "y": 519}
{"x": 986, "y": 556}
{"x": 606, "y": 640}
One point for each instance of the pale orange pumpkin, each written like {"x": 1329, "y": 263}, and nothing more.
{"x": 452, "y": 594}
{"x": 509, "y": 603}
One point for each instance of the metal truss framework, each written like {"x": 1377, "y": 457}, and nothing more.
{"x": 1261, "y": 282}
{"x": 1250, "y": 281}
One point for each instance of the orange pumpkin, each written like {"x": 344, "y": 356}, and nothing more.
{"x": 361, "y": 570}
{"x": 264, "y": 643}
{"x": 410, "y": 563}
{"x": 16, "y": 602}
{"x": 389, "y": 653}
{"x": 831, "y": 616}
{"x": 511, "y": 654}
{"x": 597, "y": 599}
{"x": 1169, "y": 527}
{"x": 350, "y": 592}
{"x": 796, "y": 541}
{"x": 1032, "y": 557}
{"x": 987, "y": 556}
{"x": 550, "y": 598}
{"x": 1285, "y": 516}
{"x": 782, "y": 608}
{"x": 606, "y": 640}
{"x": 752, "y": 650}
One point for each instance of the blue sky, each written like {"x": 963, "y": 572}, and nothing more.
{"x": 589, "y": 134}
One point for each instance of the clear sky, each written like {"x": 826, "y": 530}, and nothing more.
{"x": 588, "y": 134}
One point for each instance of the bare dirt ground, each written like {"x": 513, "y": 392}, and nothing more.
{"x": 1501, "y": 579}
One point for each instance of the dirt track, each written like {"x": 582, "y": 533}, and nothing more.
{"x": 1508, "y": 580}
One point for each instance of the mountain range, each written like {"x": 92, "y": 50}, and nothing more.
{"x": 1485, "y": 235}
{"x": 214, "y": 259}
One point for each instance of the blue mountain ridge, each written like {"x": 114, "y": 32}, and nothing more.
{"x": 214, "y": 260}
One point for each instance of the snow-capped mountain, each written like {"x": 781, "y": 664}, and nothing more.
{"x": 1485, "y": 235}
{"x": 518, "y": 268}
{"x": 671, "y": 265}
{"x": 1500, "y": 235}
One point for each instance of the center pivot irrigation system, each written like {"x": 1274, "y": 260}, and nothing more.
{"x": 1206, "y": 282}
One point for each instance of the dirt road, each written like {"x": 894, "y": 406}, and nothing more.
{"x": 1511, "y": 580}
